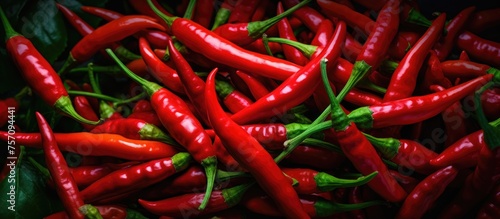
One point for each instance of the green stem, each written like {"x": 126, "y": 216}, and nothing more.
{"x": 307, "y": 50}
{"x": 416, "y": 17}
{"x": 95, "y": 95}
{"x": 106, "y": 69}
{"x": 152, "y": 132}
{"x": 189, "y": 10}
{"x": 388, "y": 147}
{"x": 64, "y": 104}
{"x": 266, "y": 44}
{"x": 9, "y": 31}
{"x": 132, "y": 99}
{"x": 222, "y": 175}
{"x": 490, "y": 133}
{"x": 298, "y": 139}
{"x": 167, "y": 19}
{"x": 44, "y": 171}
{"x": 367, "y": 84}
{"x": 126, "y": 54}
{"x": 232, "y": 196}
{"x": 150, "y": 87}
{"x": 257, "y": 28}
{"x": 340, "y": 121}
{"x": 210, "y": 165}
{"x": 323, "y": 144}
{"x": 92, "y": 78}
{"x": 326, "y": 208}
{"x": 326, "y": 182}
{"x": 23, "y": 92}
{"x": 90, "y": 212}
{"x": 388, "y": 66}
{"x": 223, "y": 88}
{"x": 221, "y": 17}
{"x": 359, "y": 70}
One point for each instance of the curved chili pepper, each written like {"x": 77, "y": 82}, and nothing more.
{"x": 311, "y": 181}
{"x": 99, "y": 145}
{"x": 239, "y": 143}
{"x": 243, "y": 11}
{"x": 143, "y": 8}
{"x": 83, "y": 107}
{"x": 421, "y": 199}
{"x": 101, "y": 37}
{"x": 133, "y": 129}
{"x": 223, "y": 14}
{"x": 103, "y": 13}
{"x": 65, "y": 185}
{"x": 106, "y": 211}
{"x": 161, "y": 71}
{"x": 245, "y": 33}
{"x": 491, "y": 207}
{"x": 149, "y": 117}
{"x": 178, "y": 206}
{"x": 296, "y": 88}
{"x": 464, "y": 152}
{"x": 261, "y": 10}
{"x": 225, "y": 159}
{"x": 413, "y": 109}
{"x": 86, "y": 175}
{"x": 465, "y": 69}
{"x": 142, "y": 106}
{"x": 216, "y": 48}
{"x": 407, "y": 182}
{"x": 485, "y": 176}
{"x": 350, "y": 16}
{"x": 445, "y": 44}
{"x": 193, "y": 85}
{"x": 38, "y": 73}
{"x": 135, "y": 177}
{"x": 491, "y": 103}
{"x": 314, "y": 205}
{"x": 359, "y": 150}
{"x": 257, "y": 88}
{"x": 310, "y": 17}
{"x": 483, "y": 20}
{"x": 376, "y": 46}
{"x": 405, "y": 153}
{"x": 403, "y": 80}
{"x": 203, "y": 12}
{"x": 180, "y": 123}
{"x": 286, "y": 31}
{"x": 454, "y": 120}
{"x": 479, "y": 48}
{"x": 233, "y": 99}
{"x": 433, "y": 75}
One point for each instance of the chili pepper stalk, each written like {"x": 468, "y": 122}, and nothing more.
{"x": 182, "y": 125}
{"x": 38, "y": 73}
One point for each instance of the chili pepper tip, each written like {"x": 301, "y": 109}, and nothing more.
{"x": 167, "y": 19}
{"x": 64, "y": 104}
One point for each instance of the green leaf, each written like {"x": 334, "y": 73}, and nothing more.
{"x": 29, "y": 188}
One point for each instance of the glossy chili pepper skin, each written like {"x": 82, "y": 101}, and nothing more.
{"x": 350, "y": 16}
{"x": 99, "y": 145}
{"x": 135, "y": 177}
{"x": 161, "y": 71}
{"x": 4, "y": 109}
{"x": 403, "y": 80}
{"x": 65, "y": 185}
{"x": 463, "y": 153}
{"x": 454, "y": 121}
{"x": 285, "y": 31}
{"x": 413, "y": 109}
{"x": 216, "y": 48}
{"x": 421, "y": 199}
{"x": 143, "y": 8}
{"x": 233, "y": 99}
{"x": 491, "y": 207}
{"x": 149, "y": 117}
{"x": 445, "y": 44}
{"x": 243, "y": 11}
{"x": 83, "y": 107}
{"x": 203, "y": 12}
{"x": 479, "y": 48}
{"x": 256, "y": 87}
{"x": 133, "y": 129}
{"x": 310, "y": 17}
{"x": 106, "y": 211}
{"x": 297, "y": 87}
{"x": 186, "y": 205}
{"x": 238, "y": 143}
{"x": 483, "y": 20}
{"x": 465, "y": 69}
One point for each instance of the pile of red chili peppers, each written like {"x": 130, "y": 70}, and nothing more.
{"x": 267, "y": 109}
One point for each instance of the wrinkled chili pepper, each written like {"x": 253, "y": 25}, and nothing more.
{"x": 239, "y": 143}
{"x": 180, "y": 123}
{"x": 481, "y": 49}
{"x": 101, "y": 37}
{"x": 38, "y": 72}
{"x": 86, "y": 143}
{"x": 65, "y": 185}
{"x": 245, "y": 33}
{"x": 421, "y": 199}
{"x": 135, "y": 177}
{"x": 178, "y": 206}
{"x": 360, "y": 152}
{"x": 413, "y": 109}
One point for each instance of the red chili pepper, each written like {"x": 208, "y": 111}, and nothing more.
{"x": 360, "y": 152}
{"x": 479, "y": 48}
{"x": 466, "y": 69}
{"x": 233, "y": 99}
{"x": 375, "y": 5}
{"x": 311, "y": 181}
{"x": 413, "y": 109}
{"x": 407, "y": 182}
{"x": 216, "y": 48}
{"x": 286, "y": 31}
{"x": 485, "y": 176}
{"x": 421, "y": 199}
{"x": 491, "y": 102}
{"x": 464, "y": 152}
{"x": 223, "y": 14}
{"x": 142, "y": 106}
{"x": 433, "y": 75}
{"x": 143, "y": 8}
{"x": 483, "y": 20}
{"x": 310, "y": 17}
{"x": 375, "y": 47}
{"x": 107, "y": 15}
{"x": 38, "y": 73}
{"x": 261, "y": 10}
{"x": 86, "y": 175}
{"x": 454, "y": 120}
{"x": 136, "y": 177}
{"x": 491, "y": 207}
{"x": 106, "y": 211}
{"x": 257, "y": 88}
{"x": 239, "y": 144}
{"x": 85, "y": 143}
{"x": 296, "y": 88}
{"x": 243, "y": 11}
{"x": 354, "y": 197}
{"x": 180, "y": 123}
{"x": 445, "y": 44}
{"x": 149, "y": 117}
{"x": 65, "y": 185}
{"x": 9, "y": 106}
{"x": 403, "y": 80}
{"x": 83, "y": 107}
{"x": 203, "y": 12}
{"x": 245, "y": 33}
{"x": 314, "y": 205}
{"x": 106, "y": 34}
{"x": 186, "y": 205}
{"x": 316, "y": 157}
{"x": 350, "y": 16}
